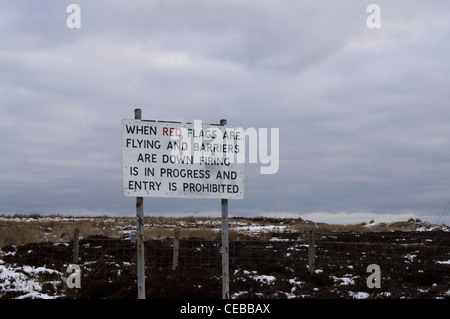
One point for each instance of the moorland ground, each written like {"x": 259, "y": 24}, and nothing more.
{"x": 268, "y": 258}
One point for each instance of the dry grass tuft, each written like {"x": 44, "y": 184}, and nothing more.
{"x": 21, "y": 229}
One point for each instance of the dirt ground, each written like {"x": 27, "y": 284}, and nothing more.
{"x": 413, "y": 265}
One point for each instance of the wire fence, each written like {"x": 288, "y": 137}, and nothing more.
{"x": 393, "y": 253}
{"x": 329, "y": 265}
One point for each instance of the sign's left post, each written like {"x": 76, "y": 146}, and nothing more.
{"x": 140, "y": 234}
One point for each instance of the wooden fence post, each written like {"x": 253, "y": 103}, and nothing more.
{"x": 76, "y": 246}
{"x": 176, "y": 247}
{"x": 312, "y": 252}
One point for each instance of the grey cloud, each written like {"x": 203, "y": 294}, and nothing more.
{"x": 362, "y": 113}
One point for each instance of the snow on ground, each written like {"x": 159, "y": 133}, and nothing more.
{"x": 265, "y": 279}
{"x": 347, "y": 279}
{"x": 255, "y": 229}
{"x": 25, "y": 281}
{"x": 33, "y": 282}
{"x": 358, "y": 295}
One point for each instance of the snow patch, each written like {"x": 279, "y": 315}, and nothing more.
{"x": 358, "y": 295}
{"x": 25, "y": 281}
{"x": 344, "y": 281}
{"x": 264, "y": 279}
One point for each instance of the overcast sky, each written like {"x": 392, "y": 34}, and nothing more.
{"x": 363, "y": 114}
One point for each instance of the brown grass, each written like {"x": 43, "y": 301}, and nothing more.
{"x": 21, "y": 229}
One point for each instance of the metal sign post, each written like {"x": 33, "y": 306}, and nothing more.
{"x": 181, "y": 160}
{"x": 225, "y": 247}
{"x": 225, "y": 252}
{"x": 140, "y": 234}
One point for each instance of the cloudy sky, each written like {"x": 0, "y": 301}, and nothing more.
{"x": 363, "y": 113}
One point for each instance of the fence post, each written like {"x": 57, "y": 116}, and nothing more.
{"x": 176, "y": 247}
{"x": 311, "y": 252}
{"x": 76, "y": 245}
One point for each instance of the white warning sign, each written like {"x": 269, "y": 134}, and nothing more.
{"x": 172, "y": 159}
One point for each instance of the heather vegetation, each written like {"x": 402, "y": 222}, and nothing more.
{"x": 20, "y": 229}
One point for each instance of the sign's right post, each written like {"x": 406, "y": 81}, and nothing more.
{"x": 225, "y": 244}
